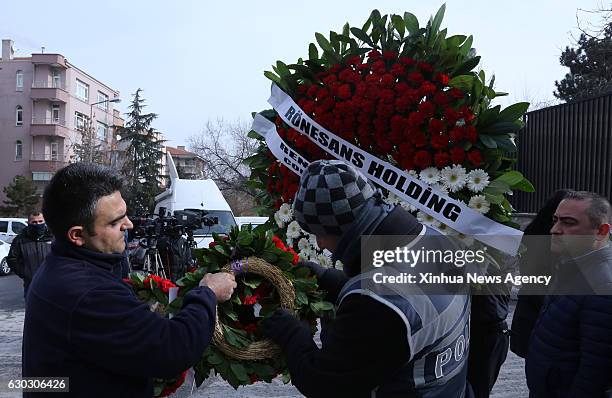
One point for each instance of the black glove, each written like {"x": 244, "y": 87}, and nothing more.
{"x": 281, "y": 326}
{"x": 315, "y": 268}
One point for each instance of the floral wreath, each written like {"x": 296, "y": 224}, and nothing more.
{"x": 409, "y": 95}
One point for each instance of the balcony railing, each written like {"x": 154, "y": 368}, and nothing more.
{"x": 49, "y": 120}
{"x": 49, "y": 84}
{"x": 49, "y": 157}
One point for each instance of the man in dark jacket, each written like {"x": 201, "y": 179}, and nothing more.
{"x": 82, "y": 321}
{"x": 570, "y": 351}
{"x": 381, "y": 343}
{"x": 29, "y": 249}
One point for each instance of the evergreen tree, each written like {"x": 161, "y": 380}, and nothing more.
{"x": 590, "y": 65}
{"x": 143, "y": 162}
{"x": 21, "y": 197}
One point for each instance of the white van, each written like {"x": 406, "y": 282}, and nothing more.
{"x": 11, "y": 227}
{"x": 201, "y": 195}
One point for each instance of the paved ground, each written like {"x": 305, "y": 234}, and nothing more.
{"x": 511, "y": 382}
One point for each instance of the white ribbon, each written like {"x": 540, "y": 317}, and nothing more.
{"x": 440, "y": 206}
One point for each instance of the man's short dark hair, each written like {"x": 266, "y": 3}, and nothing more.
{"x": 599, "y": 211}
{"x": 71, "y": 197}
{"x": 34, "y": 213}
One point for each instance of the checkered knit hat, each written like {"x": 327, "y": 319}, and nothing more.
{"x": 330, "y": 196}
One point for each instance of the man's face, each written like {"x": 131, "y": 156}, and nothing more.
{"x": 109, "y": 227}
{"x": 34, "y": 220}
{"x": 572, "y": 231}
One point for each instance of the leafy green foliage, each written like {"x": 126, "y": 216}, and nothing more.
{"x": 21, "y": 197}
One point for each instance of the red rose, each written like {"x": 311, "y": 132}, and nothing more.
{"x": 441, "y": 159}
{"x": 398, "y": 70}
{"x": 422, "y": 159}
{"x": 456, "y": 134}
{"x": 441, "y": 99}
{"x": 250, "y": 300}
{"x": 322, "y": 93}
{"x": 436, "y": 126}
{"x": 374, "y": 54}
{"x": 457, "y": 155}
{"x": 354, "y": 61}
{"x": 407, "y": 61}
{"x": 451, "y": 116}
{"x": 418, "y": 139}
{"x": 427, "y": 108}
{"x": 416, "y": 78}
{"x": 455, "y": 93}
{"x": 344, "y": 92}
{"x": 388, "y": 80}
{"x": 441, "y": 78}
{"x": 475, "y": 157}
{"x": 427, "y": 88}
{"x": 379, "y": 67}
{"x": 406, "y": 150}
{"x": 425, "y": 67}
{"x": 330, "y": 79}
{"x": 471, "y": 134}
{"x": 439, "y": 141}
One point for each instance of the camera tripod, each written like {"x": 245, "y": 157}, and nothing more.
{"x": 152, "y": 261}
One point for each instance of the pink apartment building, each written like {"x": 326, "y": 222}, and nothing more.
{"x": 45, "y": 103}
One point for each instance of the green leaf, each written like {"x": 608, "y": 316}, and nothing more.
{"x": 514, "y": 111}
{"x": 504, "y": 142}
{"x": 244, "y": 238}
{"x": 214, "y": 359}
{"x": 323, "y": 42}
{"x": 466, "y": 46}
{"x": 488, "y": 141}
{"x": 361, "y": 35}
{"x": 501, "y": 128}
{"x": 462, "y": 82}
{"x": 437, "y": 21}
{"x": 240, "y": 372}
{"x": 524, "y": 186}
{"x": 272, "y": 76}
{"x": 398, "y": 23}
{"x": 301, "y": 298}
{"x": 254, "y": 134}
{"x": 313, "y": 53}
{"x": 488, "y": 116}
{"x": 466, "y": 66}
{"x": 411, "y": 22}
{"x": 282, "y": 69}
{"x": 510, "y": 178}
{"x": 496, "y": 199}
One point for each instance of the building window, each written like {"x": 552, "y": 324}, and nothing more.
{"x": 55, "y": 113}
{"x": 18, "y": 150}
{"x": 82, "y": 90}
{"x": 19, "y": 78}
{"x": 56, "y": 79}
{"x": 19, "y": 116}
{"x": 80, "y": 121}
{"x": 41, "y": 176}
{"x": 54, "y": 149}
{"x": 102, "y": 128}
{"x": 102, "y": 101}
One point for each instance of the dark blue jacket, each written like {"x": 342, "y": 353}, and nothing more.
{"x": 570, "y": 350}
{"x": 83, "y": 322}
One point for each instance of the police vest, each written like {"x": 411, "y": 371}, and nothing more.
{"x": 438, "y": 329}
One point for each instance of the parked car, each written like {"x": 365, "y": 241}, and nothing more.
{"x": 254, "y": 221}
{"x": 4, "y": 251}
{"x": 11, "y": 227}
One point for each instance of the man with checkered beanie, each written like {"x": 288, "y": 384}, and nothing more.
{"x": 381, "y": 343}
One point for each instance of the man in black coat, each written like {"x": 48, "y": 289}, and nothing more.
{"x": 570, "y": 350}
{"x": 82, "y": 321}
{"x": 29, "y": 249}
{"x": 382, "y": 343}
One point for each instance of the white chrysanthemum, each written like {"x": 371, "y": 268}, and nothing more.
{"x": 303, "y": 244}
{"x": 442, "y": 228}
{"x": 285, "y": 212}
{"x": 289, "y": 242}
{"x": 407, "y": 206}
{"x": 304, "y": 255}
{"x": 294, "y": 230}
{"x": 425, "y": 218}
{"x": 480, "y": 204}
{"x": 339, "y": 265}
{"x": 454, "y": 178}
{"x": 324, "y": 261}
{"x": 393, "y": 198}
{"x": 441, "y": 188}
{"x": 312, "y": 239}
{"x": 279, "y": 222}
{"x": 430, "y": 175}
{"x": 413, "y": 174}
{"x": 477, "y": 180}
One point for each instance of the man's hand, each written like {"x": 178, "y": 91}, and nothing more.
{"x": 222, "y": 284}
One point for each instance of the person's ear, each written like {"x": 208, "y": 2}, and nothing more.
{"x": 603, "y": 232}
{"x": 75, "y": 235}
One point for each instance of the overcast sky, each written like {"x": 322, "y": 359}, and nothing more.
{"x": 203, "y": 60}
